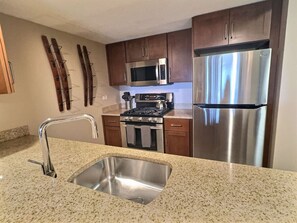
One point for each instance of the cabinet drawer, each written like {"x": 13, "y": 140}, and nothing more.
{"x": 177, "y": 125}
{"x": 111, "y": 120}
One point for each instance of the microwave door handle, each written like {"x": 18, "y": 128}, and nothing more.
{"x": 157, "y": 73}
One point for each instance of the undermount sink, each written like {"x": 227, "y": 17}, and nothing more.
{"x": 137, "y": 180}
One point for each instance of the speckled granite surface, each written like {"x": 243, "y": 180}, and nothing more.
{"x": 116, "y": 112}
{"x": 180, "y": 113}
{"x": 197, "y": 190}
{"x": 14, "y": 133}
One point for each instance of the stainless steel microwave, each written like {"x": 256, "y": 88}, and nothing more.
{"x": 150, "y": 72}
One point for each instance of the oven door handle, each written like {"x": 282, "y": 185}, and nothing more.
{"x": 152, "y": 127}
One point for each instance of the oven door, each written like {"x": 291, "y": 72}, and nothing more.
{"x": 155, "y": 131}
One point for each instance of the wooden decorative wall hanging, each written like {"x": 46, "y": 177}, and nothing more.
{"x": 59, "y": 72}
{"x": 63, "y": 73}
{"x": 55, "y": 71}
{"x": 87, "y": 74}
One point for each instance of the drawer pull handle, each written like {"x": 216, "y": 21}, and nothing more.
{"x": 111, "y": 121}
{"x": 176, "y": 125}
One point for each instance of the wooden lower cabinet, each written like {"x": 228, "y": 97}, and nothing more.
{"x": 112, "y": 131}
{"x": 178, "y": 136}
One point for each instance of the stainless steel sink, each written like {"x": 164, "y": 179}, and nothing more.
{"x": 137, "y": 180}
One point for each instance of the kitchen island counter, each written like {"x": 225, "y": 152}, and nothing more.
{"x": 197, "y": 191}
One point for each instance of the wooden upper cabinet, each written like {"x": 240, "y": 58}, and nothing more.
{"x": 116, "y": 60}
{"x": 250, "y": 23}
{"x": 180, "y": 59}
{"x": 243, "y": 24}
{"x": 156, "y": 46}
{"x": 6, "y": 81}
{"x": 147, "y": 48}
{"x": 135, "y": 50}
{"x": 210, "y": 30}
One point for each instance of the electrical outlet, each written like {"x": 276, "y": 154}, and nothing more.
{"x": 104, "y": 97}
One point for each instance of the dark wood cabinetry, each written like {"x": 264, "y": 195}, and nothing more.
{"x": 211, "y": 30}
{"x": 6, "y": 81}
{"x": 147, "y": 48}
{"x": 180, "y": 59}
{"x": 243, "y": 24}
{"x": 177, "y": 136}
{"x": 112, "y": 131}
{"x": 116, "y": 59}
{"x": 250, "y": 23}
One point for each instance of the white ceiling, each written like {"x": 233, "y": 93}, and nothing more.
{"x": 108, "y": 21}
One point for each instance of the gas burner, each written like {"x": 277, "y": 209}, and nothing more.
{"x": 148, "y": 108}
{"x": 146, "y": 111}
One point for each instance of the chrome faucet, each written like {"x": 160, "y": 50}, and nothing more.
{"x": 47, "y": 165}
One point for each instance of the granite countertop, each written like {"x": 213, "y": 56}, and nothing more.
{"x": 115, "y": 112}
{"x": 197, "y": 190}
{"x": 180, "y": 113}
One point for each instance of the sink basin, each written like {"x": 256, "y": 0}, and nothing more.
{"x": 137, "y": 180}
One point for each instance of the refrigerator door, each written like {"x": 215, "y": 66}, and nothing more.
{"x": 232, "y": 78}
{"x": 231, "y": 135}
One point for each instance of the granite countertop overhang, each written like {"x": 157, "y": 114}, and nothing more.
{"x": 197, "y": 191}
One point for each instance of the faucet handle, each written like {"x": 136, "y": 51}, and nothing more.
{"x": 52, "y": 173}
{"x": 38, "y": 163}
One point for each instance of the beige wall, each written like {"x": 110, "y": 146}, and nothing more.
{"x": 35, "y": 97}
{"x": 285, "y": 154}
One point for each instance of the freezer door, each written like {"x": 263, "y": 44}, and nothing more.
{"x": 231, "y": 135}
{"x": 232, "y": 78}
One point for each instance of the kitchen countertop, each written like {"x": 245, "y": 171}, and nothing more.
{"x": 115, "y": 112}
{"x": 197, "y": 191}
{"x": 180, "y": 113}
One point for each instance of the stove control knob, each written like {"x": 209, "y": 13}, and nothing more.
{"x": 140, "y": 119}
{"x": 130, "y": 118}
{"x": 126, "y": 118}
{"x": 150, "y": 119}
{"x": 155, "y": 119}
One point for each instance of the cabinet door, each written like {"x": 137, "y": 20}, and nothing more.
{"x": 112, "y": 131}
{"x": 112, "y": 136}
{"x": 6, "y": 82}
{"x": 116, "y": 60}
{"x": 135, "y": 50}
{"x": 177, "y": 136}
{"x": 180, "y": 56}
{"x": 210, "y": 30}
{"x": 156, "y": 46}
{"x": 111, "y": 120}
{"x": 177, "y": 143}
{"x": 250, "y": 23}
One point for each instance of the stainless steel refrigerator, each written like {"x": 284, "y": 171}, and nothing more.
{"x": 229, "y": 106}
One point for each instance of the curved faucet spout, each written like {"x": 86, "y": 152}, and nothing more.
{"x": 48, "y": 168}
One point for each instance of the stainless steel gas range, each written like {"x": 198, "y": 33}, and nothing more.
{"x": 142, "y": 127}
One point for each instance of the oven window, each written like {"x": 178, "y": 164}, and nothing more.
{"x": 138, "y": 143}
{"x": 147, "y": 73}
